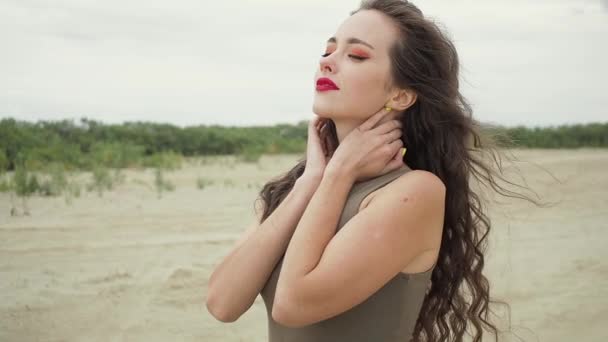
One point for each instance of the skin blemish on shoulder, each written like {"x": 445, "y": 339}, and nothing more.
{"x": 405, "y": 199}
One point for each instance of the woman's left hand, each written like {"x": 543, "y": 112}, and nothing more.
{"x": 316, "y": 152}
{"x": 368, "y": 151}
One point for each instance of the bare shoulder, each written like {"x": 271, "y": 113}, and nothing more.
{"x": 419, "y": 183}
{"x": 418, "y": 197}
{"x": 420, "y": 188}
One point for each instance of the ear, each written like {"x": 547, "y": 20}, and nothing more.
{"x": 403, "y": 99}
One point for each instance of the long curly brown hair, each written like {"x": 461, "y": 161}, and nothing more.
{"x": 441, "y": 137}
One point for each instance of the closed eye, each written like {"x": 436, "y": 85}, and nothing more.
{"x": 351, "y": 56}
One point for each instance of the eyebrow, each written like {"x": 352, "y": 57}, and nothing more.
{"x": 351, "y": 41}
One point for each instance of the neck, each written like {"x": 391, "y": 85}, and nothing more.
{"x": 345, "y": 126}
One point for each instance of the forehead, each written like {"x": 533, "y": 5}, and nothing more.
{"x": 368, "y": 25}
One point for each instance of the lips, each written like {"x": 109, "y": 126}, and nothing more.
{"x": 325, "y": 83}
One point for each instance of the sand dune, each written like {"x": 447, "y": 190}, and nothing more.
{"x": 132, "y": 267}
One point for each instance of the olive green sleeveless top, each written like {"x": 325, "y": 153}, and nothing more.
{"x": 387, "y": 315}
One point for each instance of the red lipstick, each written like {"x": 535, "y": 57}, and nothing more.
{"x": 325, "y": 83}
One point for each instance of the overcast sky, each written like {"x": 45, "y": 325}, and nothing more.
{"x": 246, "y": 62}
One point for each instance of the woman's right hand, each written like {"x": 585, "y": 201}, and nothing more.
{"x": 317, "y": 155}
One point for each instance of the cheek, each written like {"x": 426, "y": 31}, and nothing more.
{"x": 366, "y": 83}
{"x": 366, "y": 91}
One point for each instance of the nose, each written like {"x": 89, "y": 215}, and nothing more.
{"x": 327, "y": 64}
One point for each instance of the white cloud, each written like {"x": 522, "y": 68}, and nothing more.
{"x": 252, "y": 62}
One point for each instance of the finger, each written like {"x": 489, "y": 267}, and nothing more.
{"x": 392, "y": 135}
{"x": 395, "y": 163}
{"x": 395, "y": 148}
{"x": 312, "y": 128}
{"x": 373, "y": 120}
{"x": 323, "y": 122}
{"x": 322, "y": 125}
{"x": 320, "y": 121}
{"x": 397, "y": 159}
{"x": 388, "y": 126}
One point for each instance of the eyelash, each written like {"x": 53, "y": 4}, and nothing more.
{"x": 351, "y": 56}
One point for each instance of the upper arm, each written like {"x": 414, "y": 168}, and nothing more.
{"x": 368, "y": 251}
{"x": 253, "y": 226}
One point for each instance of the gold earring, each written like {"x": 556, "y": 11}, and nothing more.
{"x": 387, "y": 108}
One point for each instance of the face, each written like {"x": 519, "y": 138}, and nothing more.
{"x": 360, "y": 72}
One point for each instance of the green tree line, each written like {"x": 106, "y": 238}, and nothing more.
{"x": 86, "y": 143}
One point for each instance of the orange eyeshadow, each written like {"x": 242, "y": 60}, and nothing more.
{"x": 360, "y": 53}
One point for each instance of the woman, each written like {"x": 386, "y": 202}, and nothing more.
{"x": 359, "y": 242}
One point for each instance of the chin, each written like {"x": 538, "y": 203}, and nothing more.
{"x": 322, "y": 111}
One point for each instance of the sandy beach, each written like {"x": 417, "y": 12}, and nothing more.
{"x": 129, "y": 266}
